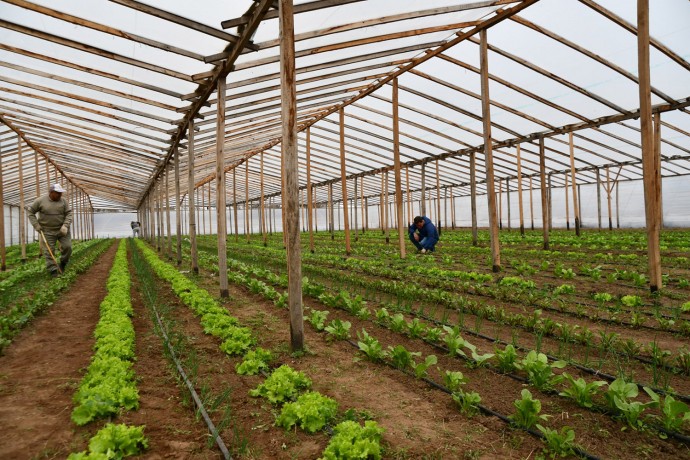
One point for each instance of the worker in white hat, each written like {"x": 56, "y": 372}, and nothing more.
{"x": 54, "y": 220}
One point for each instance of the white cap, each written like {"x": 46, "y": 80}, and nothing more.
{"x": 57, "y": 188}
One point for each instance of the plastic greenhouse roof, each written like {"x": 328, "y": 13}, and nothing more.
{"x": 104, "y": 91}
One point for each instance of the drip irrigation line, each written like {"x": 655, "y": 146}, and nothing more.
{"x": 192, "y": 391}
{"x": 483, "y": 409}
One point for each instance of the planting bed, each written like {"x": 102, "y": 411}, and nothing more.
{"x": 436, "y": 355}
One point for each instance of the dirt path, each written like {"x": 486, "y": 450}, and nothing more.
{"x": 42, "y": 367}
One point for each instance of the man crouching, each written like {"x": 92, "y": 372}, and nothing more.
{"x": 54, "y": 220}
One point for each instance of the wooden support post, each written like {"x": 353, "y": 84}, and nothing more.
{"x": 247, "y": 222}
{"x": 190, "y": 198}
{"x": 202, "y": 209}
{"x": 178, "y": 206}
{"x": 549, "y": 196}
{"x": 310, "y": 193}
{"x": 657, "y": 156}
{"x": 168, "y": 224}
{"x": 386, "y": 209}
{"x": 291, "y": 190}
{"x": 445, "y": 207}
{"x": 234, "y": 202}
{"x": 567, "y": 203}
{"x": 519, "y": 191}
{"x": 618, "y": 208}
{"x": 609, "y": 188}
{"x": 500, "y": 204}
{"x": 210, "y": 220}
{"x": 221, "y": 219}
{"x": 473, "y": 197}
{"x": 159, "y": 215}
{"x": 531, "y": 203}
{"x": 651, "y": 164}
{"x": 382, "y": 208}
{"x": 422, "y": 204}
{"x": 598, "y": 198}
{"x": 488, "y": 154}
{"x": 361, "y": 202}
{"x": 366, "y": 213}
{"x": 38, "y": 194}
{"x": 508, "y": 201}
{"x": 579, "y": 203}
{"x": 544, "y": 205}
{"x": 3, "y": 253}
{"x": 409, "y": 195}
{"x": 438, "y": 199}
{"x": 198, "y": 208}
{"x": 355, "y": 214}
{"x": 397, "y": 172}
{"x": 452, "y": 208}
{"x": 331, "y": 220}
{"x": 343, "y": 180}
{"x": 22, "y": 227}
{"x": 262, "y": 221}
{"x": 576, "y": 207}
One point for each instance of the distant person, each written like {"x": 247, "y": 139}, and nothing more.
{"x": 135, "y": 228}
{"x": 423, "y": 234}
{"x": 54, "y": 220}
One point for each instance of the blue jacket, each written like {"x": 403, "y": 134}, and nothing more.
{"x": 428, "y": 231}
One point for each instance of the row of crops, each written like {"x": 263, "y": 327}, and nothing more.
{"x": 567, "y": 349}
{"x": 521, "y": 324}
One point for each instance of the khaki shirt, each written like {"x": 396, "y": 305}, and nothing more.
{"x": 52, "y": 214}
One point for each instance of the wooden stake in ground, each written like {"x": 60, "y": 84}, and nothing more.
{"x": 190, "y": 197}
{"x": 488, "y": 154}
{"x": 291, "y": 191}
{"x": 651, "y": 170}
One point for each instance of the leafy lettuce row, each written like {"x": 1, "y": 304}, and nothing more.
{"x": 14, "y": 319}
{"x": 215, "y": 320}
{"x": 109, "y": 384}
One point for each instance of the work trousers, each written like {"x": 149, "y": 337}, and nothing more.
{"x": 65, "y": 249}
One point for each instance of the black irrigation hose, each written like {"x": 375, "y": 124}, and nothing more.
{"x": 192, "y": 391}
{"x": 483, "y": 409}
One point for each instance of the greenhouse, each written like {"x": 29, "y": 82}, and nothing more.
{"x": 345, "y": 229}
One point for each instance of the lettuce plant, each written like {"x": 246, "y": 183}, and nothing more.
{"x": 352, "y": 441}
{"x": 311, "y": 411}
{"x": 283, "y": 384}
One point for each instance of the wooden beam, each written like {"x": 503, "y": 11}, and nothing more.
{"x": 576, "y": 208}
{"x": 221, "y": 218}
{"x": 519, "y": 191}
{"x": 3, "y": 255}
{"x": 544, "y": 203}
{"x": 398, "y": 178}
{"x": 488, "y": 155}
{"x": 473, "y": 197}
{"x": 290, "y": 154}
{"x": 650, "y": 162}
{"x": 310, "y": 194}
{"x": 178, "y": 210}
{"x": 190, "y": 198}
{"x": 343, "y": 180}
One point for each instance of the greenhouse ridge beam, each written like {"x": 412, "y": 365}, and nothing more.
{"x": 206, "y": 88}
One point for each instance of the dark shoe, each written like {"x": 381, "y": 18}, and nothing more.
{"x": 54, "y": 274}
{"x": 62, "y": 266}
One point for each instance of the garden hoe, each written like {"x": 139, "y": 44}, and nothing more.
{"x": 51, "y": 253}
